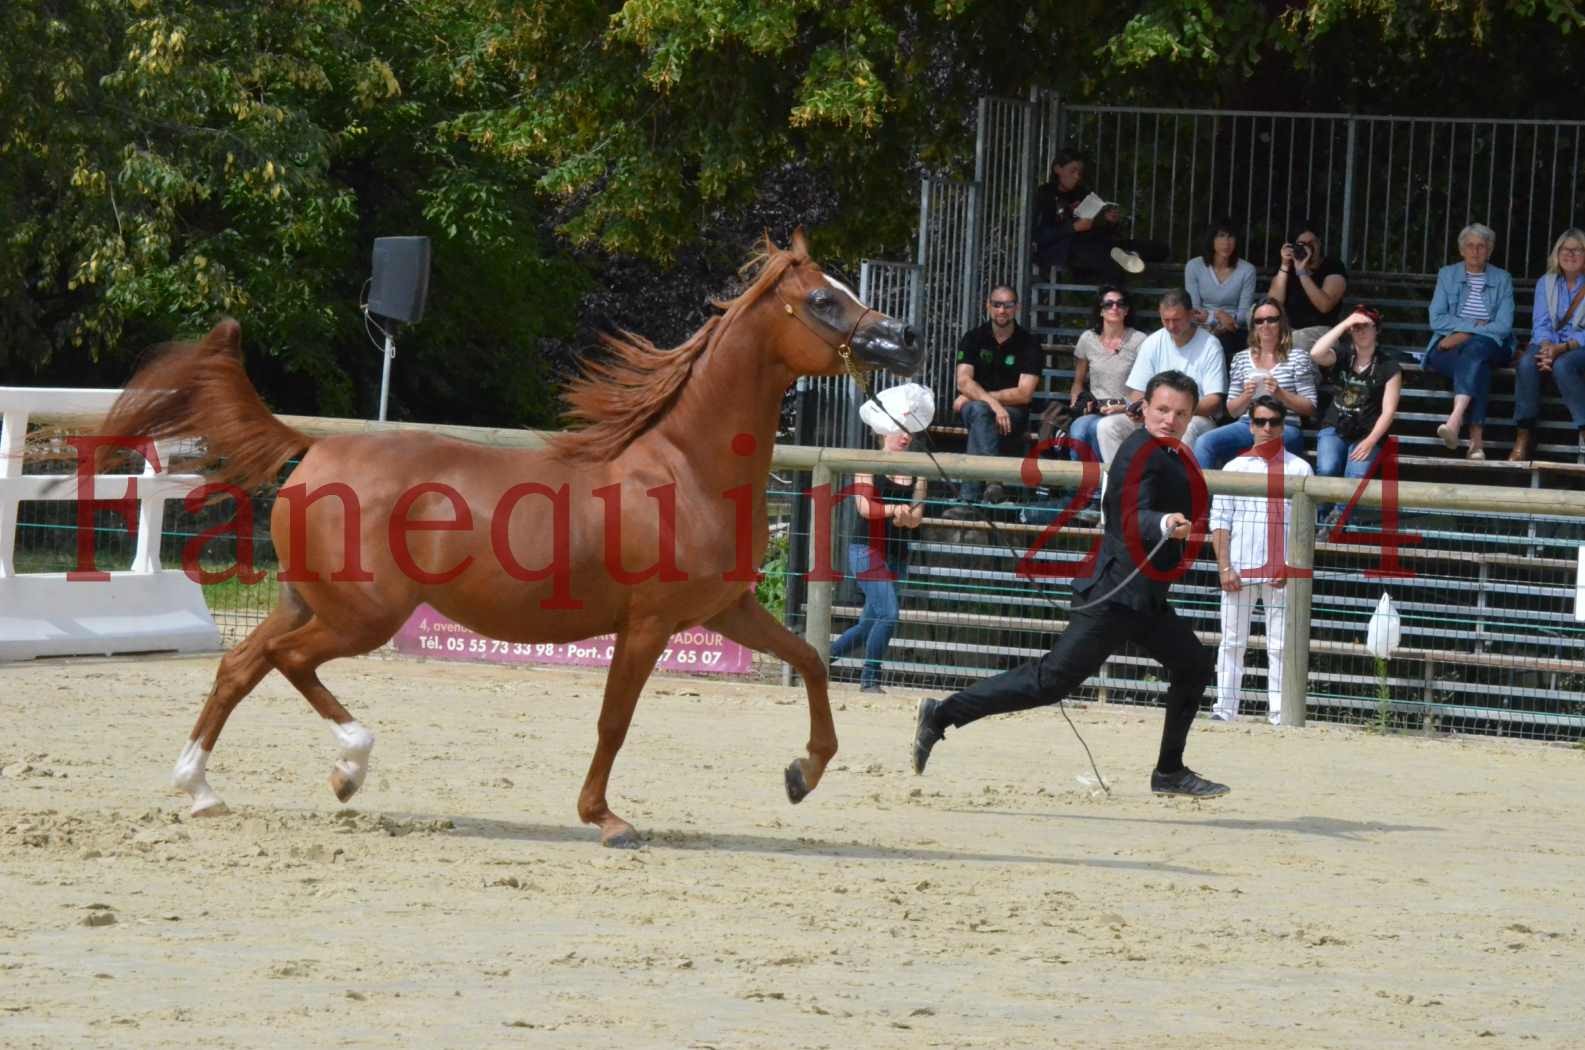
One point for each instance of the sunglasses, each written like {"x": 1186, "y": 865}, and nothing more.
{"x": 1268, "y": 320}
{"x": 1266, "y": 421}
{"x": 1113, "y": 304}
{"x": 997, "y": 304}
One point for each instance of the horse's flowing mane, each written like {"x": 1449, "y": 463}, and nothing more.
{"x": 622, "y": 395}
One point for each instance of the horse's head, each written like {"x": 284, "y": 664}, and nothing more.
{"x": 831, "y": 322}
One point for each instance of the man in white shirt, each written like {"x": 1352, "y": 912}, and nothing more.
{"x": 1180, "y": 346}
{"x": 1241, "y": 529}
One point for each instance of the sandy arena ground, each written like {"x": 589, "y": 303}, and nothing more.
{"x": 1352, "y": 891}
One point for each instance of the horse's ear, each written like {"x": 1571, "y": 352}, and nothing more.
{"x": 800, "y": 244}
{"x": 227, "y": 335}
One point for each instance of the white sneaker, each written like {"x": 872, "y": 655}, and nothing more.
{"x": 1128, "y": 260}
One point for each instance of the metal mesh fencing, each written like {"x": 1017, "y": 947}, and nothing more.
{"x": 1005, "y": 172}
{"x": 832, "y": 402}
{"x": 1489, "y": 639}
{"x": 948, "y": 305}
{"x": 1389, "y": 193}
{"x": 1489, "y": 643}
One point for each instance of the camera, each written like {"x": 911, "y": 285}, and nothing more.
{"x": 1301, "y": 252}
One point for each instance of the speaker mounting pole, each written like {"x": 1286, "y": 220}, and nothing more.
{"x": 385, "y": 371}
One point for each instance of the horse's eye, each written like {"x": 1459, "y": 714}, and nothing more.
{"x": 820, "y": 298}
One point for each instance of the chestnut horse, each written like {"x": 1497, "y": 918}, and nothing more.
{"x": 648, "y": 520}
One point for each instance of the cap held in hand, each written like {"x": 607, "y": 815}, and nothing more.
{"x": 908, "y": 407}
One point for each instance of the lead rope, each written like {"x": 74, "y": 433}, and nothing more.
{"x": 861, "y": 380}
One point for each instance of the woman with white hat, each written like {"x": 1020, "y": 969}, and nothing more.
{"x": 889, "y": 508}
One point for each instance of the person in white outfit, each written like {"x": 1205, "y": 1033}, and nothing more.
{"x": 1248, "y": 566}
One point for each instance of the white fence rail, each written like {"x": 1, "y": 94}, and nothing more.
{"x": 140, "y": 608}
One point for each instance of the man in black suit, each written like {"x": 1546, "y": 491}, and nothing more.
{"x": 1114, "y": 604}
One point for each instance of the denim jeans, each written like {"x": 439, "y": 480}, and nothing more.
{"x": 985, "y": 440}
{"x": 1215, "y": 450}
{"x": 1085, "y": 429}
{"x": 878, "y": 619}
{"x": 1470, "y": 369}
{"x": 1332, "y": 460}
{"x": 1568, "y": 371}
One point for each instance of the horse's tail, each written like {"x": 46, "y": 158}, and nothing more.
{"x": 201, "y": 391}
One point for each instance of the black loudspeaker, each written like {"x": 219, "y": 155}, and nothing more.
{"x": 401, "y": 278}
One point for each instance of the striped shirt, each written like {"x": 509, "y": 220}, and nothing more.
{"x": 1245, "y": 517}
{"x": 1295, "y": 375}
{"x": 1475, "y": 307}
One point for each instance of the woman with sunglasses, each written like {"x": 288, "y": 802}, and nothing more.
{"x": 1368, "y": 384}
{"x": 1101, "y": 363}
{"x": 1556, "y": 336}
{"x": 1268, "y": 366}
{"x": 1222, "y": 288}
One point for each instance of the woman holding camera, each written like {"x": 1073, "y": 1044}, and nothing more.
{"x": 1101, "y": 363}
{"x": 1309, "y": 286}
{"x": 1367, "y": 384}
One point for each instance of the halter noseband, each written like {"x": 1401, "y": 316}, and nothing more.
{"x": 844, "y": 349}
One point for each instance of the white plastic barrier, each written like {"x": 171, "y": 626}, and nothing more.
{"x": 140, "y": 609}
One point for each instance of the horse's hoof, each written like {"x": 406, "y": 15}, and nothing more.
{"x": 627, "y": 838}
{"x": 212, "y": 807}
{"x": 344, "y": 786}
{"x": 797, "y": 789}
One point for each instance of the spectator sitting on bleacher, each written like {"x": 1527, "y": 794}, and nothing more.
{"x": 1309, "y": 286}
{"x": 1267, "y": 368}
{"x": 998, "y": 366}
{"x": 1180, "y": 347}
{"x": 1101, "y": 362}
{"x": 1222, "y": 287}
{"x": 1557, "y": 333}
{"x": 1367, "y": 384}
{"x": 1090, "y": 249}
{"x": 1471, "y": 333}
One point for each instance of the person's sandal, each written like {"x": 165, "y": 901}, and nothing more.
{"x": 1475, "y": 453}
{"x": 1448, "y": 435}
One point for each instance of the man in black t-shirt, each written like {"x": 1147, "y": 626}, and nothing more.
{"x": 998, "y": 366}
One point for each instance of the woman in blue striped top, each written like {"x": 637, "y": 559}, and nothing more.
{"x": 1472, "y": 333}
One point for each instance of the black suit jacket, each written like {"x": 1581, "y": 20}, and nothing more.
{"x": 1161, "y": 487}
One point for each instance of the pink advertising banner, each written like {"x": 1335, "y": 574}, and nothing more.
{"x": 431, "y": 635}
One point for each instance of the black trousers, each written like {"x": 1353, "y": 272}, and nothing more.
{"x": 1091, "y": 637}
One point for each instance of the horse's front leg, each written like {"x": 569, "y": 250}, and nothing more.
{"x": 637, "y": 649}
{"x": 747, "y": 623}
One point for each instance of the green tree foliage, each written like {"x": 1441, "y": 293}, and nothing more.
{"x": 166, "y": 163}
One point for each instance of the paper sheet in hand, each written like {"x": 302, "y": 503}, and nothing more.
{"x": 1091, "y": 206}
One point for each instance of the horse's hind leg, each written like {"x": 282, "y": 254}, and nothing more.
{"x": 298, "y": 655}
{"x": 637, "y": 649}
{"x": 240, "y": 670}
{"x": 747, "y": 623}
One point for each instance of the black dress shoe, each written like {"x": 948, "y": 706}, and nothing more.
{"x": 1185, "y": 782}
{"x": 926, "y": 734}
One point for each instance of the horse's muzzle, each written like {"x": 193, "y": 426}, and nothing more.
{"x": 888, "y": 343}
